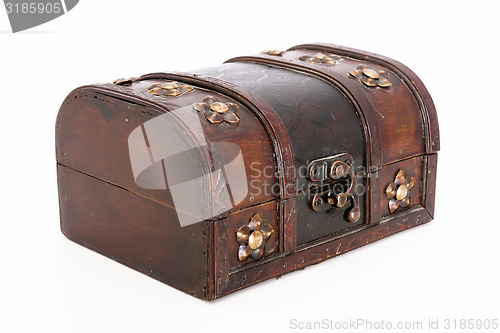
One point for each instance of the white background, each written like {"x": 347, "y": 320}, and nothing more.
{"x": 448, "y": 268}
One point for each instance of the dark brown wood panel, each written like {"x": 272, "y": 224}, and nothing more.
{"x": 393, "y": 111}
{"x": 93, "y": 130}
{"x": 291, "y": 112}
{"x": 430, "y": 189}
{"x": 320, "y": 119}
{"x": 290, "y": 225}
{"x": 322, "y": 251}
{"x": 134, "y": 231}
{"x": 413, "y": 167}
{"x": 312, "y": 225}
{"x": 232, "y": 223}
{"x": 416, "y": 86}
{"x": 276, "y": 130}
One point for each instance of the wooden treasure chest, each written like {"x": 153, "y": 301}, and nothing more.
{"x": 215, "y": 180}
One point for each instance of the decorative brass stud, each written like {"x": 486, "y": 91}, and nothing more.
{"x": 370, "y": 77}
{"x": 244, "y": 252}
{"x": 258, "y": 253}
{"x": 384, "y": 83}
{"x": 390, "y": 191}
{"x": 156, "y": 91}
{"x": 267, "y": 230}
{"x": 242, "y": 234}
{"x": 256, "y": 222}
{"x": 321, "y": 59}
{"x": 170, "y": 88}
{"x": 219, "y": 107}
{"x": 368, "y": 81}
{"x": 124, "y": 82}
{"x": 253, "y": 237}
{"x": 217, "y": 112}
{"x": 402, "y": 192}
{"x": 398, "y": 192}
{"x": 277, "y": 53}
{"x": 370, "y": 73}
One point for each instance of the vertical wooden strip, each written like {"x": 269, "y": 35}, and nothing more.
{"x": 289, "y": 225}
{"x": 373, "y": 197}
{"x": 430, "y": 190}
{"x": 221, "y": 260}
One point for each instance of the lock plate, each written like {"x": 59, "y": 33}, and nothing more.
{"x": 334, "y": 181}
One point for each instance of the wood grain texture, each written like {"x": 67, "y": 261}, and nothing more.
{"x": 430, "y": 185}
{"x": 416, "y": 86}
{"x": 277, "y": 132}
{"x": 290, "y": 225}
{"x": 226, "y": 245}
{"x": 360, "y": 106}
{"x": 291, "y": 112}
{"x": 325, "y": 250}
{"x": 92, "y": 134}
{"x": 413, "y": 167}
{"x": 317, "y": 116}
{"x": 394, "y": 125}
{"x": 134, "y": 231}
{"x": 320, "y": 121}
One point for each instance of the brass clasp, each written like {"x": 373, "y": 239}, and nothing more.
{"x": 336, "y": 182}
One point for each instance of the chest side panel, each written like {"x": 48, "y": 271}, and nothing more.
{"x": 177, "y": 158}
{"x": 140, "y": 178}
{"x": 134, "y": 231}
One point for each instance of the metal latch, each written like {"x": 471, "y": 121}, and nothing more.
{"x": 336, "y": 182}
